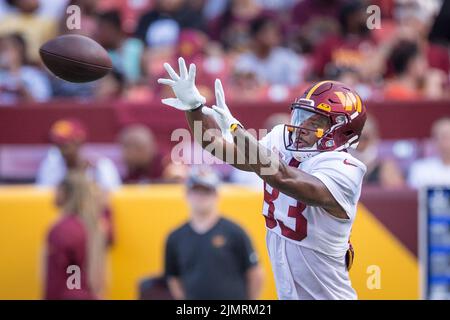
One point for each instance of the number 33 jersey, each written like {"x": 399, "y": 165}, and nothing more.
{"x": 309, "y": 226}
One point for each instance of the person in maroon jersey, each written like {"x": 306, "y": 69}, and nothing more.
{"x": 144, "y": 163}
{"x": 77, "y": 241}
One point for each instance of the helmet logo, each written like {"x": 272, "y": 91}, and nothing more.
{"x": 324, "y": 107}
{"x": 349, "y": 100}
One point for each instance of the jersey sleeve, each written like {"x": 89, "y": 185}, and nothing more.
{"x": 343, "y": 178}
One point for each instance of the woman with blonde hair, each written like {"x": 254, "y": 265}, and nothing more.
{"x": 77, "y": 242}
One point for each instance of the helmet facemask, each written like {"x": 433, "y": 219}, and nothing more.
{"x": 310, "y": 131}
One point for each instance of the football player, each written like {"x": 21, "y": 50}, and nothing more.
{"x": 311, "y": 183}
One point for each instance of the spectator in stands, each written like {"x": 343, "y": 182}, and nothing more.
{"x": 245, "y": 86}
{"x": 195, "y": 47}
{"x": 354, "y": 79}
{"x": 271, "y": 63}
{"x": 68, "y": 136}
{"x": 76, "y": 91}
{"x": 130, "y": 11}
{"x": 143, "y": 161}
{"x": 162, "y": 24}
{"x": 110, "y": 87}
{"x": 35, "y": 28}
{"x": 277, "y": 5}
{"x": 434, "y": 170}
{"x": 276, "y": 119}
{"x": 312, "y": 21}
{"x": 232, "y": 27}
{"x": 88, "y": 9}
{"x": 77, "y": 239}
{"x": 440, "y": 33}
{"x": 210, "y": 257}
{"x": 125, "y": 52}
{"x": 351, "y": 49}
{"x": 88, "y": 22}
{"x": 412, "y": 78}
{"x": 53, "y": 9}
{"x": 382, "y": 172}
{"x": 214, "y": 8}
{"x": 19, "y": 81}
{"x": 414, "y": 23}
{"x": 307, "y": 10}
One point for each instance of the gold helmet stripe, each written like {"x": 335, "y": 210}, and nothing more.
{"x": 311, "y": 91}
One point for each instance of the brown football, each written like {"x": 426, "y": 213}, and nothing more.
{"x": 75, "y": 58}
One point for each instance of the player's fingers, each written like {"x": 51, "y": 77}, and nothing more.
{"x": 173, "y": 102}
{"x": 220, "y": 111}
{"x": 220, "y": 96}
{"x": 183, "y": 69}
{"x": 217, "y": 93}
{"x": 208, "y": 111}
{"x": 192, "y": 72}
{"x": 219, "y": 86}
{"x": 169, "y": 101}
{"x": 171, "y": 72}
{"x": 166, "y": 82}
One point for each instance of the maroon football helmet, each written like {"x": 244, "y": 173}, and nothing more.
{"x": 333, "y": 111}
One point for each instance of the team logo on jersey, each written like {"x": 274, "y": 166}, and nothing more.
{"x": 349, "y": 163}
{"x": 218, "y": 241}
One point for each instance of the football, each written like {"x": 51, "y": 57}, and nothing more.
{"x": 75, "y": 58}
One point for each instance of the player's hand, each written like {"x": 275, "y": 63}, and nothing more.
{"x": 183, "y": 85}
{"x": 221, "y": 113}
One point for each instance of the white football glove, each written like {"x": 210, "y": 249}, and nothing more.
{"x": 221, "y": 113}
{"x": 187, "y": 95}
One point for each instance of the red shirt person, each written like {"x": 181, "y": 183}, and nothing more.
{"x": 76, "y": 244}
{"x": 348, "y": 50}
{"x": 143, "y": 162}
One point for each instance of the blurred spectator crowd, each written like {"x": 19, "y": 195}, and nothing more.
{"x": 137, "y": 158}
{"x": 262, "y": 50}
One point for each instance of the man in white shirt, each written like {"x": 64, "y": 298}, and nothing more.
{"x": 435, "y": 170}
{"x": 311, "y": 183}
{"x": 68, "y": 136}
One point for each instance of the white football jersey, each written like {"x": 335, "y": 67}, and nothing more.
{"x": 308, "y": 226}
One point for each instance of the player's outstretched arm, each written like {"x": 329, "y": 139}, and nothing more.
{"x": 266, "y": 164}
{"x": 189, "y": 99}
{"x": 212, "y": 140}
{"x": 288, "y": 180}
